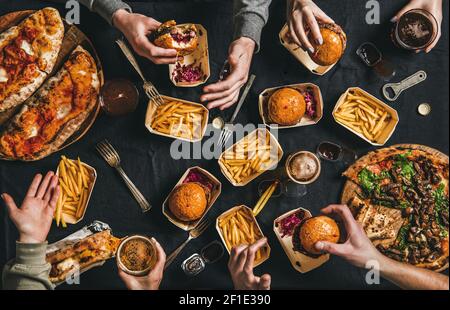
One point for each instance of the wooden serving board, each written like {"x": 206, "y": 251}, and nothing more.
{"x": 351, "y": 189}
{"x": 72, "y": 38}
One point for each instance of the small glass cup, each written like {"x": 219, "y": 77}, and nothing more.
{"x": 335, "y": 153}
{"x": 406, "y": 32}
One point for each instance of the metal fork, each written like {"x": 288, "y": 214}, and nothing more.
{"x": 227, "y": 129}
{"x": 149, "y": 88}
{"x": 111, "y": 156}
{"x": 194, "y": 233}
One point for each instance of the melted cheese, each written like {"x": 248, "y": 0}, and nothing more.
{"x": 33, "y": 131}
{"x": 3, "y": 75}
{"x": 67, "y": 264}
{"x": 63, "y": 111}
{"x": 27, "y": 48}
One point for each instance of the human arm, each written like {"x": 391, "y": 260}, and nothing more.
{"x": 250, "y": 17}
{"x": 359, "y": 251}
{"x": 29, "y": 269}
{"x": 240, "y": 266}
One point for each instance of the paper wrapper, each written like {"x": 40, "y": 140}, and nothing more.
{"x": 84, "y": 232}
{"x": 268, "y": 249}
{"x": 301, "y": 262}
{"x": 199, "y": 57}
{"x": 69, "y": 219}
{"x": 305, "y": 121}
{"x": 387, "y": 131}
{"x": 246, "y": 181}
{"x": 150, "y": 115}
{"x": 301, "y": 55}
{"x": 215, "y": 193}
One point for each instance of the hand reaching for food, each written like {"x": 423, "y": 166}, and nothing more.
{"x": 34, "y": 218}
{"x": 303, "y": 17}
{"x": 240, "y": 266}
{"x": 432, "y": 6}
{"x": 153, "y": 279}
{"x": 358, "y": 250}
{"x": 136, "y": 28}
{"x": 224, "y": 94}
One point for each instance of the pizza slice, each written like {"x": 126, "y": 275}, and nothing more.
{"x": 28, "y": 53}
{"x": 55, "y": 112}
{"x": 82, "y": 255}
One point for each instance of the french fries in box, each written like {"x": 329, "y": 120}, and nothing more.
{"x": 250, "y": 157}
{"x": 199, "y": 59}
{"x": 215, "y": 193}
{"x": 238, "y": 226}
{"x": 306, "y": 120}
{"x": 76, "y": 182}
{"x": 300, "y": 54}
{"x": 366, "y": 116}
{"x": 178, "y": 119}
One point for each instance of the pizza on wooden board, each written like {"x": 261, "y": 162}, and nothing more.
{"x": 82, "y": 255}
{"x": 55, "y": 112}
{"x": 400, "y": 195}
{"x": 28, "y": 53}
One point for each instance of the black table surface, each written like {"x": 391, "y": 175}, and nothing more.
{"x": 146, "y": 157}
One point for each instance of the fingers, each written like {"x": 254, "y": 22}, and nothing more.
{"x": 331, "y": 248}
{"x": 44, "y": 185}
{"x": 10, "y": 204}
{"x": 127, "y": 279}
{"x": 50, "y": 193}
{"x": 156, "y": 54}
{"x": 241, "y": 260}
{"x": 32, "y": 190}
{"x": 224, "y": 102}
{"x": 314, "y": 26}
{"x": 300, "y": 33}
{"x": 251, "y": 253}
{"x": 214, "y": 96}
{"x": 56, "y": 191}
{"x": 222, "y": 86}
{"x": 161, "y": 256}
{"x": 264, "y": 282}
{"x": 344, "y": 213}
{"x": 401, "y": 12}
{"x": 321, "y": 16}
{"x": 234, "y": 256}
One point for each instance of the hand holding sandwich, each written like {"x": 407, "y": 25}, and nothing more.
{"x": 241, "y": 268}
{"x": 136, "y": 28}
{"x": 303, "y": 16}
{"x": 150, "y": 281}
{"x": 34, "y": 218}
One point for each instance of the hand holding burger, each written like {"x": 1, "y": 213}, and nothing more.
{"x": 303, "y": 16}
{"x": 241, "y": 268}
{"x": 136, "y": 28}
{"x": 357, "y": 249}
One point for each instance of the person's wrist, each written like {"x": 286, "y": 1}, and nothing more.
{"x": 23, "y": 238}
{"x": 247, "y": 43}
{"x": 119, "y": 18}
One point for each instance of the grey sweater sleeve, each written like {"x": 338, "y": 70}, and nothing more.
{"x": 29, "y": 270}
{"x": 105, "y": 8}
{"x": 250, "y": 17}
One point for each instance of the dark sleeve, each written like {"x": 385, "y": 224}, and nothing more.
{"x": 250, "y": 17}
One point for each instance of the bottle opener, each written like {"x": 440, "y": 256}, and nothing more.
{"x": 398, "y": 88}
